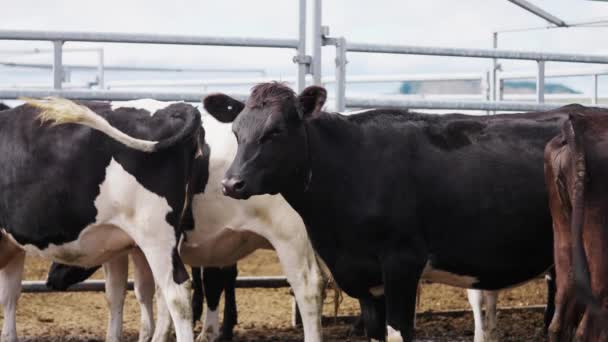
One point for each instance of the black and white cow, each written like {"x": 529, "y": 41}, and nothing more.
{"x": 85, "y": 195}
{"x": 389, "y": 197}
{"x": 225, "y": 231}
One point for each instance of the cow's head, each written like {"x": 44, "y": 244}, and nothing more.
{"x": 272, "y": 140}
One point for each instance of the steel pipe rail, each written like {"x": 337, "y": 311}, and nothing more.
{"x": 145, "y": 38}
{"x": 107, "y": 95}
{"x": 395, "y": 102}
{"x": 132, "y": 68}
{"x": 476, "y": 53}
{"x": 99, "y": 285}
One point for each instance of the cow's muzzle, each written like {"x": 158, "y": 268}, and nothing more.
{"x": 234, "y": 187}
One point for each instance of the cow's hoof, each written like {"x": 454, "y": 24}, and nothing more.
{"x": 208, "y": 336}
{"x": 145, "y": 338}
{"x": 491, "y": 336}
{"x": 8, "y": 338}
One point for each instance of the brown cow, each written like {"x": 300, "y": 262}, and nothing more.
{"x": 576, "y": 166}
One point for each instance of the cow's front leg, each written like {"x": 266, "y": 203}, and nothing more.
{"x": 144, "y": 292}
{"x": 10, "y": 290}
{"x": 229, "y": 275}
{"x": 213, "y": 286}
{"x": 116, "y": 273}
{"x": 401, "y": 274}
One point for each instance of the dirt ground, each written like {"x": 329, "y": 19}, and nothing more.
{"x": 264, "y": 314}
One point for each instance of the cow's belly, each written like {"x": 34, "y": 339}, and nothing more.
{"x": 225, "y": 247}
{"x": 95, "y": 245}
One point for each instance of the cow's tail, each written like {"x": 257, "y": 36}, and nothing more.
{"x": 61, "y": 111}
{"x": 582, "y": 279}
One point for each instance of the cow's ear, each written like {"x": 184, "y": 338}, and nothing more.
{"x": 312, "y": 100}
{"x": 223, "y": 107}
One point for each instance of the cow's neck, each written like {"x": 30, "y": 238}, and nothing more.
{"x": 328, "y": 143}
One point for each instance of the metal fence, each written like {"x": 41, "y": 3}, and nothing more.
{"x": 342, "y": 47}
{"x": 305, "y": 65}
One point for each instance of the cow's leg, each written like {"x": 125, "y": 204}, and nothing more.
{"x": 164, "y": 326}
{"x": 197, "y": 294}
{"x": 491, "y": 333}
{"x": 551, "y": 289}
{"x": 144, "y": 292}
{"x": 476, "y": 301}
{"x": 358, "y": 327}
{"x": 302, "y": 270}
{"x": 213, "y": 286}
{"x": 174, "y": 284}
{"x": 10, "y": 290}
{"x": 401, "y": 275}
{"x": 116, "y": 272}
{"x": 373, "y": 315}
{"x": 229, "y": 275}
{"x": 582, "y": 332}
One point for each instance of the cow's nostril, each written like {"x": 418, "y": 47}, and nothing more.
{"x": 238, "y": 185}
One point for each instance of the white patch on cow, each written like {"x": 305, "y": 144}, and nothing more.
{"x": 485, "y": 324}
{"x": 10, "y": 289}
{"x": 354, "y": 112}
{"x": 393, "y": 335}
{"x": 144, "y": 292}
{"x": 116, "y": 272}
{"x": 377, "y": 291}
{"x": 227, "y": 230}
{"x": 150, "y": 105}
{"x": 444, "y": 277}
{"x": 211, "y": 326}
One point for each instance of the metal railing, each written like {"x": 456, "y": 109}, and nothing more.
{"x": 539, "y": 57}
{"x": 59, "y": 38}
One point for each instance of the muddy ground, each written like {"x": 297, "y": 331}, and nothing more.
{"x": 264, "y": 314}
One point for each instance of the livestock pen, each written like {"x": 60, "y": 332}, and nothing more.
{"x": 266, "y": 310}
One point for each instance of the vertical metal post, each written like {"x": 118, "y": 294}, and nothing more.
{"x": 501, "y": 89}
{"x": 317, "y": 42}
{"x": 594, "y": 90}
{"x": 100, "y": 70}
{"x": 302, "y": 47}
{"x": 57, "y": 64}
{"x": 540, "y": 82}
{"x": 493, "y": 80}
{"x": 340, "y": 74}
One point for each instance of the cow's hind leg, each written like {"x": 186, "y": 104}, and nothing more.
{"x": 551, "y": 290}
{"x": 401, "y": 276}
{"x": 144, "y": 292}
{"x": 229, "y": 275}
{"x": 302, "y": 270}
{"x": 373, "y": 315}
{"x": 116, "y": 272}
{"x": 491, "y": 333}
{"x": 174, "y": 285}
{"x": 10, "y": 290}
{"x": 476, "y": 301}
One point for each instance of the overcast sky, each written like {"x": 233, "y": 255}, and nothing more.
{"x": 465, "y": 23}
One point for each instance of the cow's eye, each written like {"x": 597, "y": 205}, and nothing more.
{"x": 271, "y": 134}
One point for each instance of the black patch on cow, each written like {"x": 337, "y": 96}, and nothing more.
{"x": 4, "y": 106}
{"x": 61, "y": 276}
{"x": 55, "y": 171}
{"x": 180, "y": 274}
{"x": 222, "y": 107}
